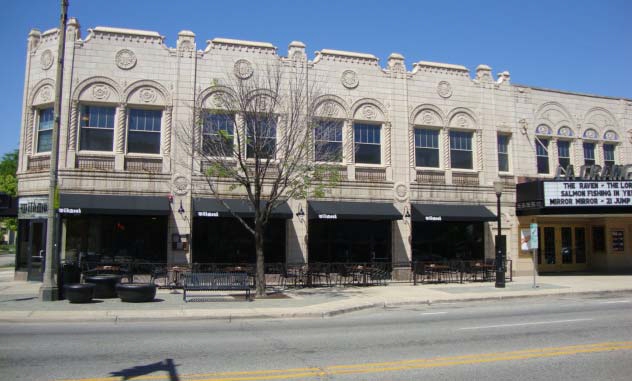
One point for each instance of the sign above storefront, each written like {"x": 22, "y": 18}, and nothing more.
{"x": 327, "y": 216}
{"x": 207, "y": 214}
{"x": 33, "y": 207}
{"x": 75, "y": 211}
{"x": 587, "y": 193}
{"x": 595, "y": 172}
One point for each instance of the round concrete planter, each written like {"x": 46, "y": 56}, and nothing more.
{"x": 79, "y": 292}
{"x": 136, "y": 292}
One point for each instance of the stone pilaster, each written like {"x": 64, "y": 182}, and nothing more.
{"x": 72, "y": 133}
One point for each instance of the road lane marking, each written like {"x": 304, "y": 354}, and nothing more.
{"x": 523, "y": 324}
{"x": 615, "y": 301}
{"x": 433, "y": 313}
{"x": 390, "y": 366}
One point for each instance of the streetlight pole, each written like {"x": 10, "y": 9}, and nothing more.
{"x": 49, "y": 290}
{"x": 500, "y": 257}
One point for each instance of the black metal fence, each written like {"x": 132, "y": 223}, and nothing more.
{"x": 285, "y": 275}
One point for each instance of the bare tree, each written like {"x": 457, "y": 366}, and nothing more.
{"x": 257, "y": 138}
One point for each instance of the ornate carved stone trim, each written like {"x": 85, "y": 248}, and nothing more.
{"x": 348, "y": 141}
{"x": 125, "y": 35}
{"x": 72, "y": 134}
{"x": 120, "y": 128}
{"x": 349, "y": 79}
{"x": 30, "y": 119}
{"x": 411, "y": 146}
{"x": 241, "y": 46}
{"x": 400, "y": 191}
{"x": 180, "y": 185}
{"x": 346, "y": 57}
{"x": 46, "y": 59}
{"x": 243, "y": 69}
{"x": 125, "y": 59}
{"x": 479, "y": 150}
{"x": 167, "y": 133}
{"x": 444, "y": 89}
{"x": 441, "y": 68}
{"x": 387, "y": 144}
{"x": 446, "y": 147}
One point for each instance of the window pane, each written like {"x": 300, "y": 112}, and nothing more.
{"x": 589, "y": 153}
{"x": 44, "y": 141}
{"x": 368, "y": 154}
{"x": 567, "y": 245}
{"x": 217, "y": 134}
{"x": 608, "y": 155}
{"x": 261, "y": 132}
{"x": 542, "y": 155}
{"x": 461, "y": 149}
{"x": 143, "y": 142}
{"x": 461, "y": 159}
{"x": 96, "y": 139}
{"x": 143, "y": 135}
{"x": 503, "y": 153}
{"x": 426, "y": 138}
{"x": 580, "y": 245}
{"x": 427, "y": 157}
{"x": 328, "y": 141}
{"x": 45, "y": 130}
{"x": 366, "y": 133}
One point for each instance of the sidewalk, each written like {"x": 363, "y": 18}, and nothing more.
{"x": 19, "y": 300}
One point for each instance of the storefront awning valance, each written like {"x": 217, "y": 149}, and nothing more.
{"x": 342, "y": 210}
{"x": 210, "y": 207}
{"x": 451, "y": 213}
{"x": 80, "y": 204}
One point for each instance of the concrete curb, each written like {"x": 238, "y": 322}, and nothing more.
{"x": 316, "y": 311}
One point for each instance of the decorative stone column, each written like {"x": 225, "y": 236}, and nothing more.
{"x": 411, "y": 152}
{"x": 72, "y": 133}
{"x": 30, "y": 118}
{"x": 119, "y": 134}
{"x": 348, "y": 146}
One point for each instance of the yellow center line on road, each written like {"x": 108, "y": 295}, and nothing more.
{"x": 390, "y": 366}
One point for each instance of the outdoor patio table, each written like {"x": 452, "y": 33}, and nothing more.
{"x": 104, "y": 285}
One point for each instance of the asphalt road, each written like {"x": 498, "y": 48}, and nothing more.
{"x": 561, "y": 338}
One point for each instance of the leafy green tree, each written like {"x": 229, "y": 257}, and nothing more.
{"x": 9, "y": 182}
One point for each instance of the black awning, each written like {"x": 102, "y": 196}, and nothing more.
{"x": 79, "y": 204}
{"x": 8, "y": 206}
{"x": 451, "y": 213}
{"x": 210, "y": 207}
{"x": 341, "y": 210}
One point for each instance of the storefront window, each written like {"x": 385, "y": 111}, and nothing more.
{"x": 354, "y": 241}
{"x": 440, "y": 241}
{"x": 598, "y": 238}
{"x": 580, "y": 245}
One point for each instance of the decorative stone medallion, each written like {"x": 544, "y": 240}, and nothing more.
{"x": 217, "y": 100}
{"x": 565, "y": 131}
{"x": 46, "y": 94}
{"x": 329, "y": 109}
{"x": 147, "y": 95}
{"x": 46, "y": 60}
{"x": 610, "y": 135}
{"x": 543, "y": 129}
{"x": 401, "y": 191}
{"x": 428, "y": 118}
{"x": 590, "y": 134}
{"x": 180, "y": 185}
{"x": 100, "y": 92}
{"x": 444, "y": 89}
{"x": 461, "y": 121}
{"x": 368, "y": 112}
{"x": 125, "y": 59}
{"x": 243, "y": 69}
{"x": 349, "y": 79}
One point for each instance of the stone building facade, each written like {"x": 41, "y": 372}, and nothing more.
{"x": 455, "y": 119}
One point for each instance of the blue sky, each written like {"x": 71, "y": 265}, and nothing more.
{"x": 575, "y": 45}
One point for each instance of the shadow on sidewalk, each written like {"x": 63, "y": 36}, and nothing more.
{"x": 143, "y": 370}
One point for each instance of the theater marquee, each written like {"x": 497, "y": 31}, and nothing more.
{"x": 587, "y": 193}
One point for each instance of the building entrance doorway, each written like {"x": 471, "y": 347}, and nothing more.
{"x": 32, "y": 235}
{"x": 562, "y": 248}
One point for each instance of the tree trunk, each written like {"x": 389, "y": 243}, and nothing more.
{"x": 260, "y": 280}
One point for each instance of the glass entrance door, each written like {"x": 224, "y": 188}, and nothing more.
{"x": 36, "y": 250}
{"x": 562, "y": 248}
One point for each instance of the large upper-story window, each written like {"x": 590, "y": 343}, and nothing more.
{"x": 218, "y": 134}
{"x": 143, "y": 135}
{"x": 261, "y": 132}
{"x": 97, "y": 128}
{"x": 589, "y": 153}
{"x": 328, "y": 140}
{"x": 461, "y": 149}
{"x": 367, "y": 143}
{"x": 542, "y": 155}
{"x": 426, "y": 148}
{"x": 503, "y": 153}
{"x": 608, "y": 155}
{"x": 45, "y": 130}
{"x": 564, "y": 153}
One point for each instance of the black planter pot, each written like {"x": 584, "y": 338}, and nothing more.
{"x": 136, "y": 292}
{"x": 79, "y": 292}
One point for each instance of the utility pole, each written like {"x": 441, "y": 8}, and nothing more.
{"x": 49, "y": 290}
